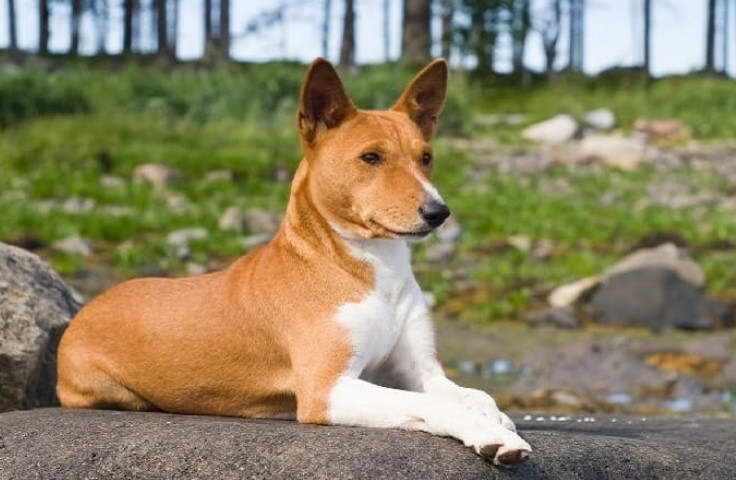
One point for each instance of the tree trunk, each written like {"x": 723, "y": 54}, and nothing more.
{"x": 347, "y": 47}
{"x": 416, "y": 37}
{"x": 224, "y": 37}
{"x": 648, "y": 36}
{"x": 174, "y": 31}
{"x": 724, "y": 35}
{"x": 521, "y": 22}
{"x": 12, "y": 27}
{"x": 75, "y": 21}
{"x": 326, "y": 28}
{"x": 479, "y": 39}
{"x": 386, "y": 30}
{"x": 102, "y": 21}
{"x": 43, "y": 26}
{"x": 710, "y": 37}
{"x": 128, "y": 7}
{"x": 162, "y": 26}
{"x": 448, "y": 13}
{"x": 551, "y": 37}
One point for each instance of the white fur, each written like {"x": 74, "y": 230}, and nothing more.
{"x": 430, "y": 190}
{"x": 392, "y": 337}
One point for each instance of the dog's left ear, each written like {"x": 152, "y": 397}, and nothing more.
{"x": 323, "y": 102}
{"x": 424, "y": 98}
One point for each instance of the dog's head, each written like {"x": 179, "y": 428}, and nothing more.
{"x": 369, "y": 170}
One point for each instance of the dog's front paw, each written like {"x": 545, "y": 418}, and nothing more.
{"x": 499, "y": 445}
{"x": 481, "y": 403}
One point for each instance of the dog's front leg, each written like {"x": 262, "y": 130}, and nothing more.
{"x": 415, "y": 362}
{"x": 359, "y": 403}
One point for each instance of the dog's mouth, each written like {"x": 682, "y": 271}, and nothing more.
{"x": 416, "y": 234}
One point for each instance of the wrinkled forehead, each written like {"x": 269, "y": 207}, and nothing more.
{"x": 382, "y": 127}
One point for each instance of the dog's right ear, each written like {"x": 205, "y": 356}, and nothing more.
{"x": 323, "y": 102}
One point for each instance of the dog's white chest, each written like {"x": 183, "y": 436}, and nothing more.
{"x": 376, "y": 323}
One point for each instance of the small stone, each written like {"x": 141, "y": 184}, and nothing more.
{"x": 260, "y": 221}
{"x": 112, "y": 181}
{"x": 117, "y": 211}
{"x": 600, "y": 119}
{"x": 186, "y": 235}
{"x": 558, "y": 129}
{"x": 520, "y": 242}
{"x": 160, "y": 177}
{"x": 195, "y": 269}
{"x": 78, "y": 206}
{"x": 232, "y": 220}
{"x": 74, "y": 245}
{"x": 440, "y": 252}
{"x": 177, "y": 203}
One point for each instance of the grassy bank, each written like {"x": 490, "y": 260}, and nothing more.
{"x": 62, "y": 132}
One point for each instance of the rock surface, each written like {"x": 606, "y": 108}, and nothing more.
{"x": 67, "y": 444}
{"x": 35, "y": 307}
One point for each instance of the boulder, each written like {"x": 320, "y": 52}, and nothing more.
{"x": 614, "y": 151}
{"x": 93, "y": 444}
{"x": 664, "y": 129}
{"x": 556, "y": 317}
{"x": 666, "y": 256}
{"x": 600, "y": 119}
{"x": 656, "y": 298}
{"x": 258, "y": 220}
{"x": 558, "y": 129}
{"x": 35, "y": 307}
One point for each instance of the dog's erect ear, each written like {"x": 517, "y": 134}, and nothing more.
{"x": 424, "y": 98}
{"x": 323, "y": 103}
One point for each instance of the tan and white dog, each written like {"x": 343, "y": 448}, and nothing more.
{"x": 326, "y": 322}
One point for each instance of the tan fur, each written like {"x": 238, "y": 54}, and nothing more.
{"x": 258, "y": 339}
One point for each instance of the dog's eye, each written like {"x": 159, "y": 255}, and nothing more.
{"x": 426, "y": 158}
{"x": 371, "y": 158}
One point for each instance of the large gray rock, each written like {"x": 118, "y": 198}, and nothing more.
{"x": 35, "y": 307}
{"x": 657, "y": 298}
{"x": 558, "y": 129}
{"x": 66, "y": 444}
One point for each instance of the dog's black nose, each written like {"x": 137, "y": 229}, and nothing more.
{"x": 434, "y": 213}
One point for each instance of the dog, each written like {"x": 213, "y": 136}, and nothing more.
{"x": 326, "y": 322}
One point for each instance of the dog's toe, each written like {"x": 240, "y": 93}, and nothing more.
{"x": 511, "y": 456}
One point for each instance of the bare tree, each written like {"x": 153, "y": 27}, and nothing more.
{"x": 43, "y": 26}
{"x": 224, "y": 36}
{"x": 447, "y": 15}
{"x": 724, "y": 34}
{"x": 162, "y": 26}
{"x": 12, "y": 26}
{"x": 710, "y": 37}
{"x": 416, "y": 38}
{"x": 74, "y": 30}
{"x": 648, "y": 36}
{"x": 347, "y": 47}
{"x": 577, "y": 34}
{"x": 102, "y": 20}
{"x": 520, "y": 23}
{"x": 550, "y": 30}
{"x": 174, "y": 27}
{"x": 128, "y": 8}
{"x": 326, "y": 28}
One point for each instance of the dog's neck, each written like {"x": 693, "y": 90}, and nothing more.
{"x": 306, "y": 232}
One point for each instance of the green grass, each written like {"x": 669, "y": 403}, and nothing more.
{"x": 97, "y": 123}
